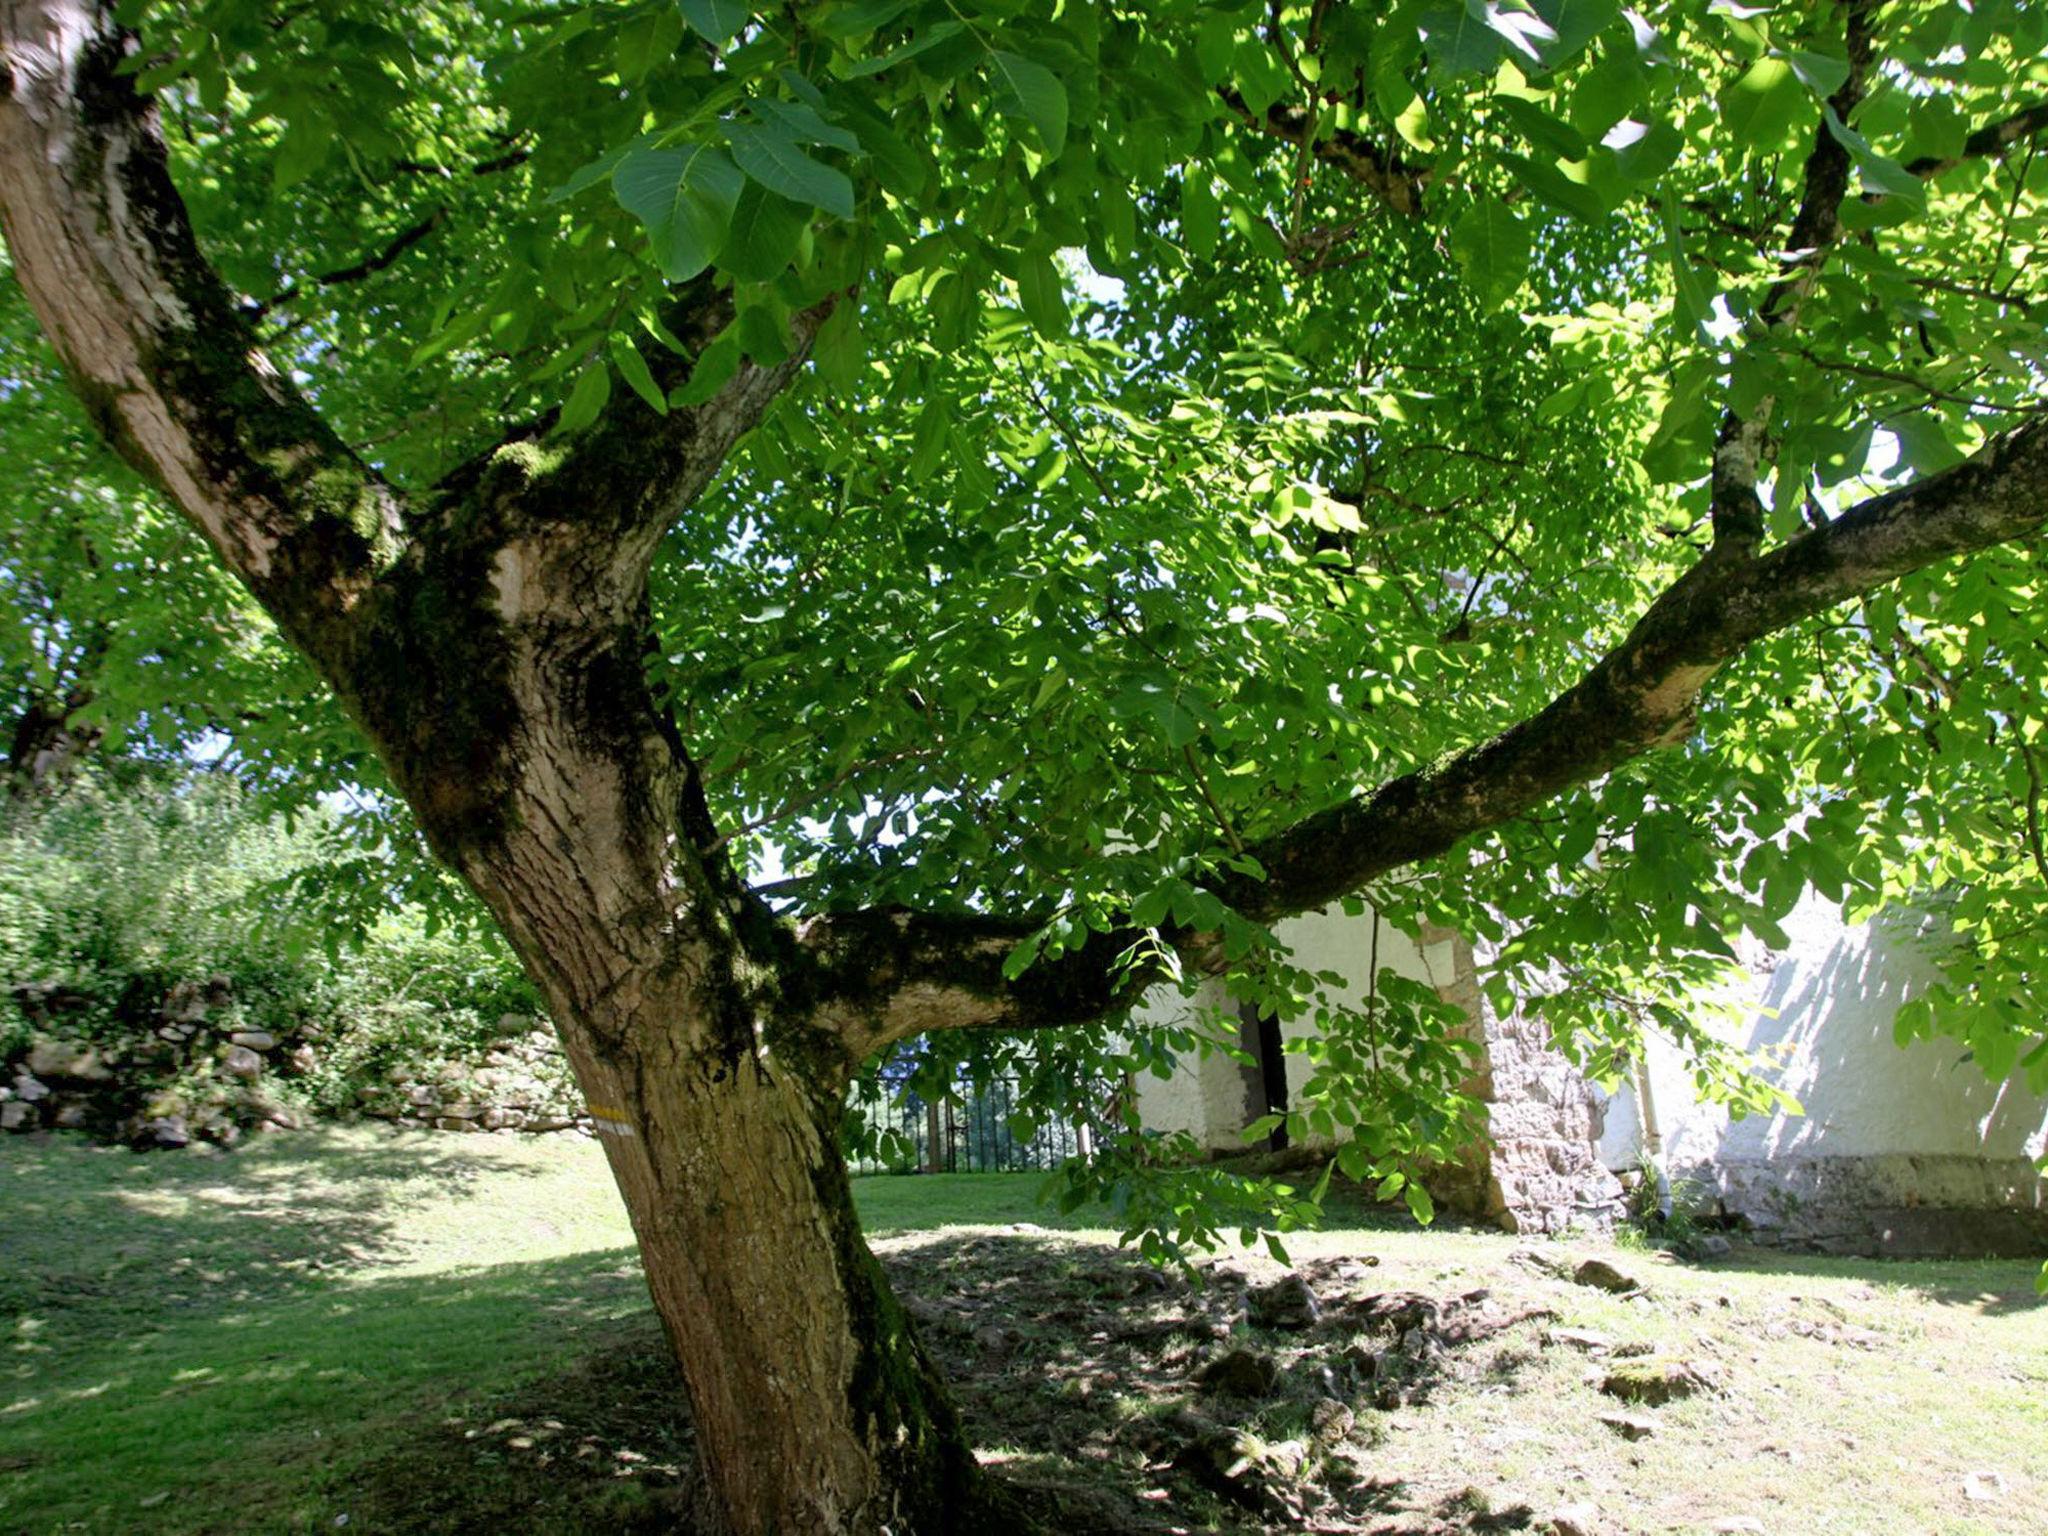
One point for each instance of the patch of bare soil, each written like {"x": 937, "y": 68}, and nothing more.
{"x": 1205, "y": 1402}
{"x": 1110, "y": 1396}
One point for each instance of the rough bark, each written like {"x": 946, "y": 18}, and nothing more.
{"x": 47, "y": 746}
{"x": 490, "y": 640}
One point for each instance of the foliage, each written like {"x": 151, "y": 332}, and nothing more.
{"x": 132, "y": 882}
{"x": 1224, "y": 409}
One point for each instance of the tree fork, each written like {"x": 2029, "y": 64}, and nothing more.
{"x": 490, "y": 643}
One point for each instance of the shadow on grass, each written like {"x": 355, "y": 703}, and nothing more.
{"x": 103, "y": 1238}
{"x": 1990, "y": 1287}
{"x": 376, "y": 1401}
{"x": 538, "y": 1397}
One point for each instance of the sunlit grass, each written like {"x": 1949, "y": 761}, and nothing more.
{"x": 450, "y": 1333}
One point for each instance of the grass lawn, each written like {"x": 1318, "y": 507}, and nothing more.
{"x": 351, "y": 1329}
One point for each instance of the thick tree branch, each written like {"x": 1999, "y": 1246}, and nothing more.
{"x": 172, "y": 374}
{"x": 944, "y": 972}
{"x": 1734, "y": 508}
{"x": 1990, "y": 140}
{"x": 629, "y": 475}
{"x": 1386, "y": 176}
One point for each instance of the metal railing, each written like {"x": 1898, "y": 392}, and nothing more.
{"x": 919, "y": 1135}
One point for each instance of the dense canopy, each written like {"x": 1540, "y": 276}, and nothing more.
{"x": 1082, "y": 483}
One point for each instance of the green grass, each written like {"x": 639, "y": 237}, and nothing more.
{"x": 433, "y": 1333}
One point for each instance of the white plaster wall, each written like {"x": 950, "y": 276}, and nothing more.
{"x": 1206, "y": 1097}
{"x": 1823, "y": 1010}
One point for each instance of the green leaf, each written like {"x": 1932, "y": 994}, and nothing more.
{"x": 924, "y": 42}
{"x": 1760, "y": 105}
{"x": 764, "y": 234}
{"x": 1420, "y": 1206}
{"x": 1821, "y": 73}
{"x": 1695, "y": 304}
{"x": 1575, "y": 23}
{"x": 860, "y": 17}
{"x": 771, "y": 155}
{"x": 1459, "y": 39}
{"x": 593, "y": 388}
{"x": 800, "y": 121}
{"x": 1562, "y": 192}
{"x": 684, "y": 198}
{"x": 1034, "y": 94}
{"x": 302, "y": 150}
{"x": 928, "y": 441}
{"x": 634, "y": 370}
{"x": 715, "y": 20}
{"x": 763, "y": 331}
{"x": 1879, "y": 173}
{"x": 1491, "y": 246}
{"x": 1043, "y": 296}
{"x": 1182, "y": 728}
{"x": 1541, "y": 129}
{"x": 1198, "y": 212}
{"x": 715, "y": 366}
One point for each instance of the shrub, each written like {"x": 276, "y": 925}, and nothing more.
{"x": 142, "y": 901}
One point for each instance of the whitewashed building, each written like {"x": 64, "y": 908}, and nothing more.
{"x": 1903, "y": 1151}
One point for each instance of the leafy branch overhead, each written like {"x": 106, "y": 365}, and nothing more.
{"x": 894, "y": 520}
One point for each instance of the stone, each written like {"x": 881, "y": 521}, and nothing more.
{"x": 163, "y": 1131}
{"x": 1602, "y": 1275}
{"x": 1396, "y": 1311}
{"x": 1330, "y": 1421}
{"x": 1287, "y": 1303}
{"x": 1579, "y": 1338}
{"x": 254, "y": 1039}
{"x": 1630, "y": 1426}
{"x": 542, "y": 1123}
{"x": 1654, "y": 1383}
{"x": 498, "y": 1118}
{"x": 242, "y": 1062}
{"x": 71, "y": 1115}
{"x": 1983, "y": 1487}
{"x": 67, "y": 1060}
{"x": 1228, "y": 1462}
{"x": 1737, "y": 1525}
{"x": 18, "y": 1115}
{"x": 30, "y": 1088}
{"x": 303, "y": 1058}
{"x": 1239, "y": 1373}
{"x": 1364, "y": 1363}
{"x": 1712, "y": 1246}
{"x": 1581, "y": 1519}
{"x": 451, "y": 1123}
{"x": 184, "y": 1004}
{"x": 991, "y": 1340}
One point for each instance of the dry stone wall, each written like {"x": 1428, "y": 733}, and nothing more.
{"x": 196, "y": 1073}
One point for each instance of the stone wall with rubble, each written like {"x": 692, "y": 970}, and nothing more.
{"x": 197, "y": 1073}
{"x": 1536, "y": 1170}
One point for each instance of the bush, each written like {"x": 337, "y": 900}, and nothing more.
{"x": 151, "y": 915}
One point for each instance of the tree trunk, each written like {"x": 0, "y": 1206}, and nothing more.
{"x": 816, "y": 1409}
{"x": 575, "y": 816}
{"x": 46, "y": 747}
